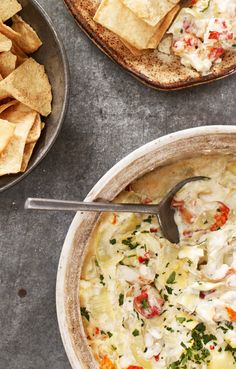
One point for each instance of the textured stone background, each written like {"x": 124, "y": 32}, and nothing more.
{"x": 110, "y": 115}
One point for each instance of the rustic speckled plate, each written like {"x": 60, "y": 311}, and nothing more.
{"x": 155, "y": 69}
{"x": 164, "y": 150}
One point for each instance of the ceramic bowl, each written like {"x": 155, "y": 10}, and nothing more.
{"x": 52, "y": 55}
{"x": 162, "y": 151}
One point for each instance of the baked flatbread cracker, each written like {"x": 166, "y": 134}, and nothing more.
{"x": 12, "y": 156}
{"x": 8, "y": 32}
{"x": 5, "y": 43}
{"x": 150, "y": 11}
{"x": 6, "y": 133}
{"x": 133, "y": 50}
{"x": 35, "y": 131}
{"x": 115, "y": 16}
{"x": 8, "y": 8}
{"x": 29, "y": 41}
{"x": 7, "y": 63}
{"x": 7, "y": 105}
{"x": 165, "y": 45}
{"x": 164, "y": 26}
{"x": 28, "y": 151}
{"x": 29, "y": 84}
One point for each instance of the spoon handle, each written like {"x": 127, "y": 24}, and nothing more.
{"x": 49, "y": 204}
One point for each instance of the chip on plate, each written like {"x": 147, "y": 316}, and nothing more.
{"x": 164, "y": 25}
{"x": 150, "y": 11}
{"x": 29, "y": 84}
{"x": 6, "y": 133}
{"x": 8, "y": 8}
{"x": 29, "y": 41}
{"x": 5, "y": 43}
{"x": 115, "y": 16}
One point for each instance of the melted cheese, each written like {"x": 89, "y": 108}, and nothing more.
{"x": 204, "y": 32}
{"x": 156, "y": 305}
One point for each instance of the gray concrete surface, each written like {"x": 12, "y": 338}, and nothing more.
{"x": 110, "y": 114}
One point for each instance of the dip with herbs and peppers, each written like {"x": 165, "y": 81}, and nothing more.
{"x": 203, "y": 33}
{"x": 149, "y": 304}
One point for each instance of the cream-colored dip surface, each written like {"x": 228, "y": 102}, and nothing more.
{"x": 147, "y": 303}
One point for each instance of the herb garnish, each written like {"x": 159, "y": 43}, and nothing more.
{"x": 113, "y": 241}
{"x": 171, "y": 278}
{"x": 84, "y": 312}
{"x": 121, "y": 299}
{"x": 128, "y": 242}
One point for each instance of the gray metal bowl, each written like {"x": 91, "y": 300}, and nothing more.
{"x": 52, "y": 55}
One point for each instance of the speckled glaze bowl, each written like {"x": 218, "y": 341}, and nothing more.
{"x": 52, "y": 55}
{"x": 162, "y": 151}
{"x": 155, "y": 69}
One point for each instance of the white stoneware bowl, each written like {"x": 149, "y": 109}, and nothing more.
{"x": 164, "y": 150}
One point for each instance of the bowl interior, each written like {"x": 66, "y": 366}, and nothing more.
{"x": 172, "y": 148}
{"x": 52, "y": 56}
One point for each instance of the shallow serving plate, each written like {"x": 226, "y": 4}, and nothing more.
{"x": 154, "y": 69}
{"x": 52, "y": 55}
{"x": 165, "y": 150}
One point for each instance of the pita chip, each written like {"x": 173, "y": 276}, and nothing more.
{"x": 5, "y": 43}
{"x": 150, "y": 11}
{"x": 29, "y": 41}
{"x": 6, "y": 133}
{"x": 12, "y": 156}
{"x": 7, "y": 63}
{"x": 116, "y": 17}
{"x": 29, "y": 84}
{"x": 8, "y": 8}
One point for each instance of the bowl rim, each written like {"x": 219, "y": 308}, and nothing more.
{"x": 95, "y": 191}
{"x": 65, "y": 104}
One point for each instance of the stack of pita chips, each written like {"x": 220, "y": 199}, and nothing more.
{"x": 140, "y": 24}
{"x": 25, "y": 91}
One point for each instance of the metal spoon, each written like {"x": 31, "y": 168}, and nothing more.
{"x": 164, "y": 211}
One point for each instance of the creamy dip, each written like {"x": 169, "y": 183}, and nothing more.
{"x": 203, "y": 33}
{"x": 147, "y": 303}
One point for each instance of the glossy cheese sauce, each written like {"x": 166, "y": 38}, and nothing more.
{"x": 147, "y": 303}
{"x": 203, "y": 33}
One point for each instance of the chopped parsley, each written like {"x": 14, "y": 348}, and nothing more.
{"x": 180, "y": 319}
{"x": 113, "y": 241}
{"x": 135, "y": 333}
{"x": 101, "y": 277}
{"x": 169, "y": 290}
{"x": 148, "y": 219}
{"x": 171, "y": 278}
{"x": 197, "y": 353}
{"x": 84, "y": 312}
{"x": 232, "y": 350}
{"x": 144, "y": 304}
{"x": 128, "y": 242}
{"x": 121, "y": 299}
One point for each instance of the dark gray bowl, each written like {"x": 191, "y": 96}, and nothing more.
{"x": 52, "y": 55}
